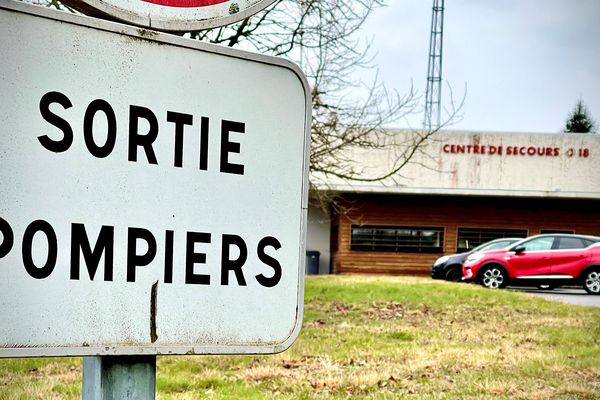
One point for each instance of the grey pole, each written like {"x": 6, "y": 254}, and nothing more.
{"x": 119, "y": 378}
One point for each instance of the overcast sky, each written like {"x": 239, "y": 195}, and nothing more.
{"x": 525, "y": 62}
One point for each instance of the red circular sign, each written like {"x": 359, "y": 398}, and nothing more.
{"x": 172, "y": 15}
{"x": 185, "y": 3}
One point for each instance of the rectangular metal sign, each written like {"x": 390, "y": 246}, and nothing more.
{"x": 153, "y": 192}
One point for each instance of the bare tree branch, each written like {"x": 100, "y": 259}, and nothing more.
{"x": 323, "y": 37}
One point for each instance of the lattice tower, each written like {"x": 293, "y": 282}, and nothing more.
{"x": 433, "y": 94}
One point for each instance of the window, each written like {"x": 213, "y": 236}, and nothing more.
{"x": 537, "y": 244}
{"x": 399, "y": 239}
{"x": 496, "y": 245}
{"x": 565, "y": 242}
{"x": 589, "y": 242}
{"x": 469, "y": 238}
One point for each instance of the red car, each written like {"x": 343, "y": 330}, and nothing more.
{"x": 542, "y": 260}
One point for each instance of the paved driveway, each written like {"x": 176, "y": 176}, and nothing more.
{"x": 565, "y": 295}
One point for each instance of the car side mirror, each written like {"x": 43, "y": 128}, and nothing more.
{"x": 519, "y": 249}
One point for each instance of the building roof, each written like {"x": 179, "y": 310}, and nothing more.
{"x": 561, "y": 165}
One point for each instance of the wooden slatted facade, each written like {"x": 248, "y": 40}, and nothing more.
{"x": 451, "y": 213}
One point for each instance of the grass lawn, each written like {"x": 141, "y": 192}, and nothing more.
{"x": 381, "y": 338}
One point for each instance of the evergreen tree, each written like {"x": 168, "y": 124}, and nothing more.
{"x": 579, "y": 120}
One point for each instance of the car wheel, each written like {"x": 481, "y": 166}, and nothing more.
{"x": 494, "y": 277}
{"x": 454, "y": 275}
{"x": 591, "y": 281}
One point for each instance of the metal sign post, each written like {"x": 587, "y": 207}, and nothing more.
{"x": 119, "y": 378}
{"x": 153, "y": 197}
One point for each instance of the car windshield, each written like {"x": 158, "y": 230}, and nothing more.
{"x": 494, "y": 245}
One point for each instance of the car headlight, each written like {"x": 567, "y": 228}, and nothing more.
{"x": 474, "y": 257}
{"x": 441, "y": 260}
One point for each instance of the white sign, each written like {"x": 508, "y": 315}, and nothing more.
{"x": 153, "y": 192}
{"x": 173, "y": 15}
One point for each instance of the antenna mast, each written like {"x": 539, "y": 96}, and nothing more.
{"x": 433, "y": 94}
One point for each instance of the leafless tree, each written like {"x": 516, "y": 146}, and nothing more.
{"x": 323, "y": 37}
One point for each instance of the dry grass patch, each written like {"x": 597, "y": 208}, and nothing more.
{"x": 383, "y": 338}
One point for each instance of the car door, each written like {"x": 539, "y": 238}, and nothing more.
{"x": 533, "y": 260}
{"x": 569, "y": 256}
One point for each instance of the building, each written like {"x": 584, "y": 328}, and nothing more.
{"x": 459, "y": 190}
